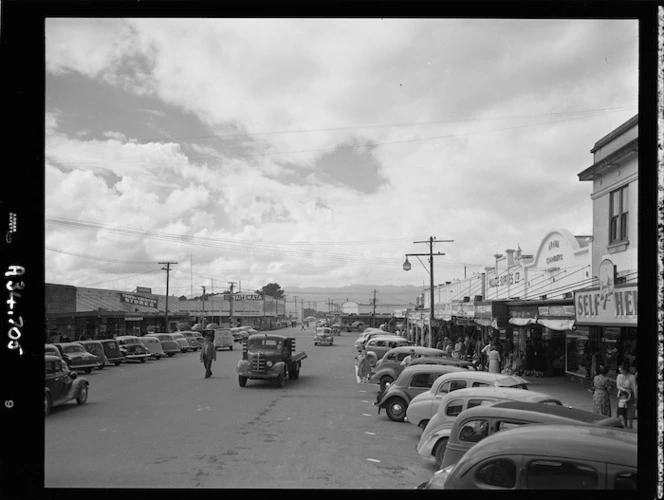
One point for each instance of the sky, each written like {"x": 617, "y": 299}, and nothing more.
{"x": 319, "y": 152}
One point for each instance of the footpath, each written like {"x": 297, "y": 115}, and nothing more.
{"x": 571, "y": 393}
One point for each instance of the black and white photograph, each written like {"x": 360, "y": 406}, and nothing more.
{"x": 339, "y": 253}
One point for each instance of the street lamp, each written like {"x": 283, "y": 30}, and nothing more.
{"x": 407, "y": 267}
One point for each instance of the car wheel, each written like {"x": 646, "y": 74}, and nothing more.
{"x": 170, "y": 354}
{"x": 82, "y": 394}
{"x": 88, "y": 370}
{"x": 230, "y": 348}
{"x": 242, "y": 380}
{"x": 296, "y": 373}
{"x": 142, "y": 360}
{"x": 396, "y": 409}
{"x": 100, "y": 367}
{"x": 117, "y": 363}
{"x": 47, "y": 403}
{"x": 384, "y": 381}
{"x": 439, "y": 451}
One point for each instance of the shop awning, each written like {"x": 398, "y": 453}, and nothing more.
{"x": 484, "y": 321}
{"x": 522, "y": 321}
{"x": 557, "y": 324}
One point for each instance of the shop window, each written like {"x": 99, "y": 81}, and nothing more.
{"x": 557, "y": 475}
{"x": 618, "y": 218}
{"x": 498, "y": 473}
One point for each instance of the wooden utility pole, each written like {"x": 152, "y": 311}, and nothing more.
{"x": 232, "y": 284}
{"x": 373, "y": 314}
{"x": 168, "y": 271}
{"x": 203, "y": 302}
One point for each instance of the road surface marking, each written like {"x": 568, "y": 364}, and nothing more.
{"x": 364, "y": 401}
{"x": 373, "y": 460}
{"x": 370, "y": 433}
{"x": 367, "y": 415}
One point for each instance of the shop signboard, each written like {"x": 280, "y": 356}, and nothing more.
{"x": 607, "y": 304}
{"x": 137, "y": 300}
{"x": 443, "y": 311}
{"x": 558, "y": 317}
{"x": 523, "y": 315}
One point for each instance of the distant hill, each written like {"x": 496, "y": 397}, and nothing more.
{"x": 362, "y": 294}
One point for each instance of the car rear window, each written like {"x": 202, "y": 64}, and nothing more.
{"x": 499, "y": 473}
{"x": 558, "y": 474}
{"x": 421, "y": 380}
{"x": 474, "y": 431}
{"x": 74, "y": 348}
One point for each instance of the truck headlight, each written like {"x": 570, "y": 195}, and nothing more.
{"x": 269, "y": 364}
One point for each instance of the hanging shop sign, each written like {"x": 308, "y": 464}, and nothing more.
{"x": 137, "y": 300}
{"x": 523, "y": 315}
{"x": 556, "y": 317}
{"x": 491, "y": 313}
{"x": 608, "y": 304}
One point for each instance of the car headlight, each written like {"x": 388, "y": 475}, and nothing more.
{"x": 269, "y": 364}
{"x": 437, "y": 482}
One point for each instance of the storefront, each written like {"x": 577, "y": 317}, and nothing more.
{"x": 490, "y": 318}
{"x": 556, "y": 319}
{"x": 606, "y": 329}
{"x": 522, "y": 324}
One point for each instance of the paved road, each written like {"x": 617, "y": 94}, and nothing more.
{"x": 161, "y": 424}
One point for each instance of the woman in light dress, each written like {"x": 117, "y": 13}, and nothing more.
{"x": 626, "y": 381}
{"x": 494, "y": 359}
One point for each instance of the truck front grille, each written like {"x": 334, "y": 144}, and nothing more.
{"x": 258, "y": 363}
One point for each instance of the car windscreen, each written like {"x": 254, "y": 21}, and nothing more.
{"x": 130, "y": 341}
{"x": 112, "y": 345}
{"x": 74, "y": 348}
{"x": 264, "y": 343}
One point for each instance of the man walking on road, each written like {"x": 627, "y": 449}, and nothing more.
{"x": 208, "y": 355}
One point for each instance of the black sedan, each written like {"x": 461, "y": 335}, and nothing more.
{"x": 62, "y": 385}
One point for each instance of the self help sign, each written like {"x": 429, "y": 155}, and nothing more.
{"x": 15, "y": 325}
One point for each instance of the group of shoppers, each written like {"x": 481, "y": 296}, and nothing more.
{"x": 626, "y": 391}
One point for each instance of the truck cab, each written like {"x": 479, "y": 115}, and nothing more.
{"x": 269, "y": 357}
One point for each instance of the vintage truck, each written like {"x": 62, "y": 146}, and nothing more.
{"x": 269, "y": 357}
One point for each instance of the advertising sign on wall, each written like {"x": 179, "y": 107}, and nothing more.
{"x": 137, "y": 300}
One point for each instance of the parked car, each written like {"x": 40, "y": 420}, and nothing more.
{"x": 222, "y": 338}
{"x": 357, "y": 325}
{"x": 368, "y": 334}
{"x": 239, "y": 334}
{"x": 112, "y": 351}
{"x": 437, "y": 432}
{"x": 61, "y": 384}
{"x": 323, "y": 336}
{"x": 425, "y": 405}
{"x": 53, "y": 350}
{"x": 153, "y": 345}
{"x": 169, "y": 345}
{"x": 185, "y": 345}
{"x": 477, "y": 423}
{"x": 389, "y": 367}
{"x": 95, "y": 347}
{"x": 546, "y": 457}
{"x": 379, "y": 345}
{"x": 446, "y": 359}
{"x": 196, "y": 338}
{"x": 131, "y": 347}
{"x": 412, "y": 381}
{"x": 76, "y": 357}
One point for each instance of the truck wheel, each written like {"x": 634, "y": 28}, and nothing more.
{"x": 281, "y": 380}
{"x": 384, "y": 381}
{"x": 439, "y": 451}
{"x": 396, "y": 409}
{"x": 242, "y": 380}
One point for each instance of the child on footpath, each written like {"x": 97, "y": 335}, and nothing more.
{"x": 624, "y": 395}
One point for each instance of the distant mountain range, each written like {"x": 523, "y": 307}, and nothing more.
{"x": 362, "y": 294}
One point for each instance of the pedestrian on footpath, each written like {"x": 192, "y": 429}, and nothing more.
{"x": 626, "y": 382}
{"x": 601, "y": 390}
{"x": 362, "y": 366}
{"x": 208, "y": 355}
{"x": 529, "y": 365}
{"x": 494, "y": 359}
